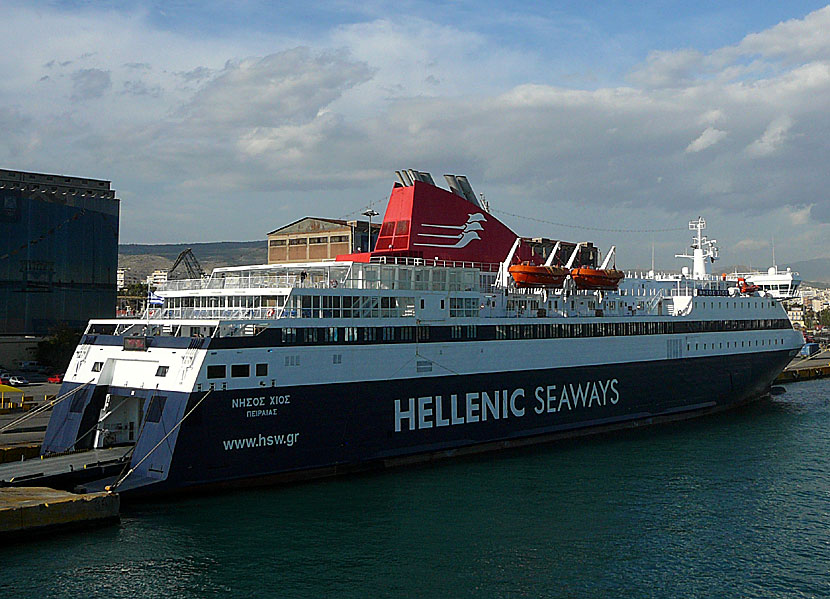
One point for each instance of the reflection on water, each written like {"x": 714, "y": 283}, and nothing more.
{"x": 730, "y": 505}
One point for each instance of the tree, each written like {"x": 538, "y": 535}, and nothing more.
{"x": 824, "y": 317}
{"x": 133, "y": 295}
{"x": 57, "y": 349}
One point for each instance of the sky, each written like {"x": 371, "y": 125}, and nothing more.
{"x": 614, "y": 122}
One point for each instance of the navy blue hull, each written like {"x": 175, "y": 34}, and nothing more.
{"x": 297, "y": 432}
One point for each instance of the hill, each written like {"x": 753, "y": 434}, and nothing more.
{"x": 817, "y": 269}
{"x": 143, "y": 259}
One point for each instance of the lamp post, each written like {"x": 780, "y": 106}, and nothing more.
{"x": 370, "y": 213}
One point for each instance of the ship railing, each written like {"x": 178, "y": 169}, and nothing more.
{"x": 218, "y": 313}
{"x": 410, "y": 261}
{"x": 232, "y": 282}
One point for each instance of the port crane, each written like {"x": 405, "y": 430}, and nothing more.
{"x": 191, "y": 264}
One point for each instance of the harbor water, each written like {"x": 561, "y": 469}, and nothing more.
{"x": 732, "y": 505}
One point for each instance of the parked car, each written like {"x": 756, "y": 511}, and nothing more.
{"x": 18, "y": 381}
{"x": 55, "y": 378}
{"x": 4, "y": 378}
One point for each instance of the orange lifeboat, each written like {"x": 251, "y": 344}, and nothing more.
{"x": 607, "y": 279}
{"x": 745, "y": 287}
{"x": 531, "y": 275}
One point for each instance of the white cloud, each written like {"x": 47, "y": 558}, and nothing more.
{"x": 797, "y": 39}
{"x": 799, "y": 215}
{"x": 668, "y": 69}
{"x": 286, "y": 87}
{"x": 750, "y": 244}
{"x": 772, "y": 139}
{"x": 708, "y": 138}
{"x": 90, "y": 83}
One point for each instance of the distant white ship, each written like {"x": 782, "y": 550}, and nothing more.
{"x": 774, "y": 283}
{"x": 780, "y": 284}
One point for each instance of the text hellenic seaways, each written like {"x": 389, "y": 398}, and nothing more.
{"x": 480, "y": 406}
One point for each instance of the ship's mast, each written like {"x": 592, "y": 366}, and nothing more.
{"x": 702, "y": 248}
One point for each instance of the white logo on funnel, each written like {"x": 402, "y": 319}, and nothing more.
{"x": 467, "y": 235}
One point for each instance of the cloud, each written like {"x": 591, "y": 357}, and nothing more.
{"x": 197, "y": 74}
{"x": 668, "y": 69}
{"x": 772, "y": 139}
{"x": 288, "y": 127}
{"x": 140, "y": 88}
{"x": 708, "y": 138}
{"x": 796, "y": 40}
{"x": 750, "y": 244}
{"x": 88, "y": 84}
{"x": 286, "y": 87}
{"x": 799, "y": 215}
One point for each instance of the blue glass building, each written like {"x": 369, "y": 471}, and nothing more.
{"x": 58, "y": 251}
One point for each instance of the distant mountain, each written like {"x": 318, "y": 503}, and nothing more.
{"x": 143, "y": 259}
{"x": 817, "y": 269}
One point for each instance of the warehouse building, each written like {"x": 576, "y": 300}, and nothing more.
{"x": 58, "y": 251}
{"x": 311, "y": 239}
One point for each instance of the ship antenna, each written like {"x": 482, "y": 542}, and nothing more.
{"x": 652, "y": 255}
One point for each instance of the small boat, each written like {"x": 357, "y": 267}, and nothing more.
{"x": 531, "y": 275}
{"x": 597, "y": 278}
{"x": 746, "y": 288}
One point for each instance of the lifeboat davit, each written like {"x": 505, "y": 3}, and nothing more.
{"x": 606, "y": 279}
{"x": 531, "y": 275}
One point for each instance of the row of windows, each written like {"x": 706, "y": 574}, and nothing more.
{"x": 218, "y": 371}
{"x": 308, "y": 240}
{"x": 404, "y": 334}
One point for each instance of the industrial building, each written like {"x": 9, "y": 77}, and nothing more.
{"x": 58, "y": 251}
{"x": 311, "y": 239}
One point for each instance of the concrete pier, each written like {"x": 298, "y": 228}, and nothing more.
{"x": 805, "y": 369}
{"x": 28, "y": 510}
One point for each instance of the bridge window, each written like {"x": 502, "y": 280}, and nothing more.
{"x": 162, "y": 370}
{"x": 216, "y": 371}
{"x": 240, "y": 370}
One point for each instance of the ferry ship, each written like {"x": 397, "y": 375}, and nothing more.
{"x": 423, "y": 348}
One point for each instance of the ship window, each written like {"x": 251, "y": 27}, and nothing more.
{"x": 97, "y": 366}
{"x": 262, "y": 369}
{"x": 156, "y": 408}
{"x": 162, "y": 371}
{"x": 350, "y": 334}
{"x": 402, "y": 227}
{"x": 216, "y": 371}
{"x": 240, "y": 370}
{"x": 370, "y": 334}
{"x": 388, "y": 333}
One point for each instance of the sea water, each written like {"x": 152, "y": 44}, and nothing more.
{"x": 731, "y": 505}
